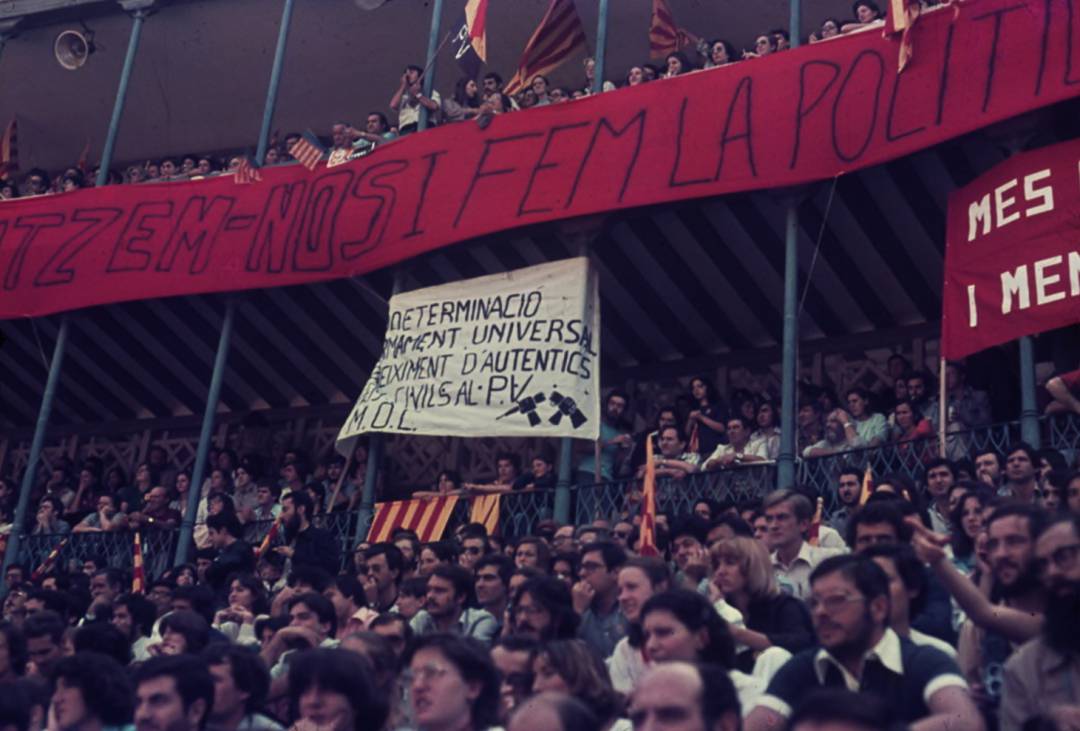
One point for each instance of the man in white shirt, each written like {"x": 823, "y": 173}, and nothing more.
{"x": 788, "y": 515}
{"x": 738, "y": 451}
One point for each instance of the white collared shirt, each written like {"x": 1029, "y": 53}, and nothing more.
{"x": 796, "y": 575}
{"x": 886, "y": 651}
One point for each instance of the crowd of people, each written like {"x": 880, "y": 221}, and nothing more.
{"x": 472, "y": 99}
{"x": 958, "y": 612}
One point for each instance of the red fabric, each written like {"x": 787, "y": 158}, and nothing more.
{"x": 789, "y": 118}
{"x": 1012, "y": 257}
{"x": 1071, "y": 380}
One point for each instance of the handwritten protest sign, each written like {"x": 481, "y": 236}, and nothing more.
{"x": 514, "y": 354}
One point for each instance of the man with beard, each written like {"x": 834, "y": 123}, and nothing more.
{"x": 173, "y": 693}
{"x": 445, "y": 608}
{"x": 848, "y": 487}
{"x": 840, "y": 436}
{"x": 987, "y": 639}
{"x": 1039, "y": 677}
{"x": 614, "y": 437}
{"x": 307, "y": 545}
{"x": 849, "y": 602}
{"x": 544, "y": 610}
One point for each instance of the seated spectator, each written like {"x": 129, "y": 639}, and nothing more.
{"x": 507, "y": 470}
{"x": 744, "y": 577}
{"x": 966, "y": 407}
{"x": 542, "y": 476}
{"x": 106, "y": 519}
{"x": 453, "y": 684}
{"x": 412, "y": 596}
{"x": 376, "y": 131}
{"x": 739, "y": 450}
{"x": 465, "y": 102}
{"x": 13, "y": 659}
{"x": 672, "y": 461}
{"x": 908, "y": 590}
{"x": 241, "y": 683}
{"x": 569, "y": 666}
{"x": 182, "y": 632}
{"x": 409, "y": 98}
{"x": 763, "y": 46}
{"x": 234, "y": 555}
{"x": 840, "y": 708}
{"x": 781, "y": 38}
{"x": 634, "y": 77}
{"x": 134, "y": 616}
{"x": 534, "y": 553}
{"x": 155, "y": 513}
{"x": 595, "y": 597}
{"x": 542, "y": 609}
{"x": 331, "y": 688}
{"x": 446, "y": 609}
{"x": 448, "y": 482}
{"x": 1038, "y": 676}
{"x": 866, "y": 13}
{"x": 766, "y": 437}
{"x": 676, "y": 64}
{"x": 787, "y": 515}
{"x": 703, "y": 695}
{"x": 639, "y": 579}
{"x": 810, "y": 424}
{"x": 988, "y": 468}
{"x": 872, "y": 427}
{"x": 1021, "y": 474}
{"x": 553, "y": 712}
{"x": 849, "y": 603}
{"x": 48, "y": 521}
{"x": 1064, "y": 389}
{"x": 540, "y": 86}
{"x": 681, "y": 626}
{"x": 90, "y": 690}
{"x": 433, "y": 555}
{"x": 967, "y": 526}
{"x": 719, "y": 53}
{"x": 910, "y": 424}
{"x": 36, "y": 182}
{"x": 840, "y": 436}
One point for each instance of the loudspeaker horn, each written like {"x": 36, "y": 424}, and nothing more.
{"x": 72, "y": 48}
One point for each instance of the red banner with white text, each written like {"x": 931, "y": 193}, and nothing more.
{"x": 788, "y": 118}
{"x": 1012, "y": 255}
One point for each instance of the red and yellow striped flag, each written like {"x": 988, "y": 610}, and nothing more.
{"x": 900, "y": 18}
{"x": 559, "y": 34}
{"x": 647, "y": 541}
{"x": 664, "y": 35}
{"x": 485, "y": 510}
{"x": 49, "y": 561}
{"x": 268, "y": 539}
{"x": 426, "y": 517}
{"x": 867, "y": 486}
{"x": 138, "y": 573}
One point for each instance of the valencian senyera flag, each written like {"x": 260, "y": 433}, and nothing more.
{"x": 427, "y": 517}
{"x": 558, "y": 36}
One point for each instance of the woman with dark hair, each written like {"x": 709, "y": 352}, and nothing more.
{"x": 865, "y": 12}
{"x": 247, "y": 599}
{"x": 453, "y": 684}
{"x": 681, "y": 625}
{"x": 720, "y": 53}
{"x": 910, "y": 425}
{"x": 447, "y": 483}
{"x": 183, "y": 632}
{"x": 335, "y": 690}
{"x": 635, "y": 76}
{"x": 639, "y": 580}
{"x": 830, "y": 28}
{"x": 967, "y": 526}
{"x": 705, "y": 424}
{"x": 465, "y": 102}
{"x": 677, "y": 64}
{"x": 569, "y": 666}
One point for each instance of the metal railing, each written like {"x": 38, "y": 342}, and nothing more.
{"x": 521, "y": 512}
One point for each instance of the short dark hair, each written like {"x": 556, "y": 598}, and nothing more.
{"x": 692, "y": 525}
{"x": 867, "y": 576}
{"x": 318, "y": 579}
{"x": 459, "y": 576}
{"x": 16, "y": 647}
{"x": 881, "y": 511}
{"x": 613, "y": 554}
{"x": 300, "y": 499}
{"x": 142, "y": 610}
{"x": 414, "y": 586}
{"x": 104, "y": 683}
{"x": 865, "y": 710}
{"x": 227, "y": 521}
{"x": 738, "y": 526}
{"x": 393, "y": 618}
{"x": 939, "y": 462}
{"x": 44, "y": 623}
{"x": 247, "y": 668}
{"x": 495, "y": 76}
{"x": 1036, "y": 517}
{"x": 395, "y": 559}
{"x": 57, "y": 506}
{"x": 193, "y": 680}
{"x": 323, "y": 608}
{"x": 718, "y": 695}
{"x": 474, "y": 664}
{"x": 53, "y": 600}
{"x": 1027, "y": 449}
{"x": 910, "y": 569}
{"x": 104, "y": 639}
{"x": 201, "y": 599}
{"x": 191, "y": 625}
{"x": 504, "y": 565}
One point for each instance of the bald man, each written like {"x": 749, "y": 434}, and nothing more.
{"x": 686, "y": 697}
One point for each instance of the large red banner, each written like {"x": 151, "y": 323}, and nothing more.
{"x": 785, "y": 119}
{"x": 1012, "y": 256}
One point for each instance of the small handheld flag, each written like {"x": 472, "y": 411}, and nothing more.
{"x": 867, "y": 486}
{"x": 307, "y": 150}
{"x": 558, "y": 36}
{"x": 138, "y": 573}
{"x": 647, "y": 544}
{"x": 268, "y": 540}
{"x": 246, "y": 173}
{"x": 815, "y": 524}
{"x": 50, "y": 560}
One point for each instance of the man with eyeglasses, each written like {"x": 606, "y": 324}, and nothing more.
{"x": 474, "y": 546}
{"x": 596, "y": 597}
{"x": 849, "y": 603}
{"x": 1041, "y": 678}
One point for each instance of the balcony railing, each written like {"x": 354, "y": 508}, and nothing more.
{"x": 521, "y": 512}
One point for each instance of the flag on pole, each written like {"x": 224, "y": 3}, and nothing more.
{"x": 50, "y": 560}
{"x": 138, "y": 573}
{"x": 867, "y": 486}
{"x": 559, "y": 34}
{"x": 470, "y": 41}
{"x": 9, "y": 150}
{"x": 426, "y": 518}
{"x": 647, "y": 542}
{"x": 485, "y": 510}
{"x": 307, "y": 150}
{"x": 900, "y": 18}
{"x": 268, "y": 540}
{"x": 664, "y": 35}
{"x": 246, "y": 173}
{"x": 815, "y": 523}
{"x": 84, "y": 159}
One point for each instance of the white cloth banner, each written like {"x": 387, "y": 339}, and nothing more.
{"x": 514, "y": 354}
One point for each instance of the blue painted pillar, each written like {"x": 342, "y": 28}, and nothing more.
{"x": 601, "y": 48}
{"x": 275, "y": 80}
{"x": 429, "y": 65}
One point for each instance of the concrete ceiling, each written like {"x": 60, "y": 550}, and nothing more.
{"x": 203, "y": 66}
